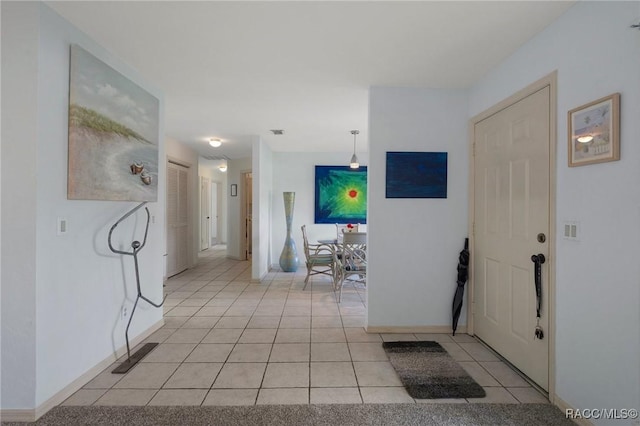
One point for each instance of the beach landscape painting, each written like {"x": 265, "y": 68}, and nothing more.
{"x": 113, "y": 134}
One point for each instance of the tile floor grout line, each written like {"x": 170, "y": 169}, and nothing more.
{"x": 283, "y": 291}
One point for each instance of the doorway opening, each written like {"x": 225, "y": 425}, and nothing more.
{"x": 205, "y": 213}
{"x": 178, "y": 218}
{"x": 245, "y": 212}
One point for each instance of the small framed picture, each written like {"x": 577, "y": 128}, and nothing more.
{"x": 234, "y": 190}
{"x": 594, "y": 132}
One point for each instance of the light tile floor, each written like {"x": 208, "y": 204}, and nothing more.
{"x": 227, "y": 341}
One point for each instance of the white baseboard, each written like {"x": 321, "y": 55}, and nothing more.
{"x": 31, "y": 415}
{"x": 426, "y": 329}
{"x": 17, "y": 416}
{"x": 564, "y": 406}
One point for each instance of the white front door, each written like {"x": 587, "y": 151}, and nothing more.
{"x": 511, "y": 217}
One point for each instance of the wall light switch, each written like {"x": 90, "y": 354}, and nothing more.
{"x": 62, "y": 226}
{"x": 571, "y": 230}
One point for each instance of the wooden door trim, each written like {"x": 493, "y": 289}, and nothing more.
{"x": 243, "y": 213}
{"x": 179, "y": 162}
{"x": 551, "y": 81}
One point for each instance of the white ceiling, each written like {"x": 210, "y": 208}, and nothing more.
{"x": 233, "y": 70}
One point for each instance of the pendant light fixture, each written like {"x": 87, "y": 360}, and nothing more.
{"x": 354, "y": 164}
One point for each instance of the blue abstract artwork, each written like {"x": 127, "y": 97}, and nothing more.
{"x": 416, "y": 175}
{"x": 341, "y": 194}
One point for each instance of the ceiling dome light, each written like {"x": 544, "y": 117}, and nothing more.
{"x": 222, "y": 168}
{"x": 585, "y": 138}
{"x": 215, "y": 142}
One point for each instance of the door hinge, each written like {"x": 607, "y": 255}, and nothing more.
{"x": 474, "y": 149}
{"x": 473, "y": 228}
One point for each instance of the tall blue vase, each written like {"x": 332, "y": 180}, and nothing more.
{"x": 289, "y": 255}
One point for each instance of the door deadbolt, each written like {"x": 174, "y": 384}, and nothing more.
{"x": 542, "y": 238}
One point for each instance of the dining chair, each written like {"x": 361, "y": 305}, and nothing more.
{"x": 341, "y": 229}
{"x": 352, "y": 260}
{"x": 319, "y": 258}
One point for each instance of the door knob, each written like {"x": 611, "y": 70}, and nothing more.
{"x": 538, "y": 258}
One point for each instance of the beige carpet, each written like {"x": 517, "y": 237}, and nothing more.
{"x": 361, "y": 414}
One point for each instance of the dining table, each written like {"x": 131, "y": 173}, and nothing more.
{"x": 329, "y": 241}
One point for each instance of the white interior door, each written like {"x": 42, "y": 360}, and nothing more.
{"x": 177, "y": 219}
{"x": 214, "y": 212}
{"x": 511, "y": 167}
{"x": 205, "y": 213}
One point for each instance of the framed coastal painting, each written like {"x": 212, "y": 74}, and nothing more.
{"x": 113, "y": 134}
{"x": 416, "y": 175}
{"x": 340, "y": 194}
{"x": 594, "y": 132}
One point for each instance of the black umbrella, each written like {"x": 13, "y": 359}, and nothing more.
{"x": 463, "y": 274}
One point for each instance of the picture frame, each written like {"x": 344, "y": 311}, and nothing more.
{"x": 594, "y": 132}
{"x": 340, "y": 194}
{"x": 234, "y": 190}
{"x": 416, "y": 174}
{"x": 113, "y": 133}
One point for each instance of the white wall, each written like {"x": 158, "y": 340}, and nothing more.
{"x": 414, "y": 243}
{"x": 235, "y": 168}
{"x": 597, "y": 279}
{"x": 262, "y": 158}
{"x": 80, "y": 286}
{"x": 19, "y": 144}
{"x": 187, "y": 157}
{"x": 295, "y": 171}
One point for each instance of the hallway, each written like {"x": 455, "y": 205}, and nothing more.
{"x": 227, "y": 341}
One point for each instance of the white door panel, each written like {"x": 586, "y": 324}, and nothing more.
{"x": 511, "y": 208}
{"x": 205, "y": 213}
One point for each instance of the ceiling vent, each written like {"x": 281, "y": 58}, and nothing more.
{"x": 216, "y": 157}
{"x": 277, "y": 131}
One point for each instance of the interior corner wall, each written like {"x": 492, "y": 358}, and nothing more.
{"x": 18, "y": 217}
{"x": 235, "y": 168}
{"x": 295, "y": 172}
{"x": 70, "y": 287}
{"x": 185, "y": 156}
{"x": 413, "y": 244}
{"x": 262, "y": 159}
{"x": 597, "y": 285}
